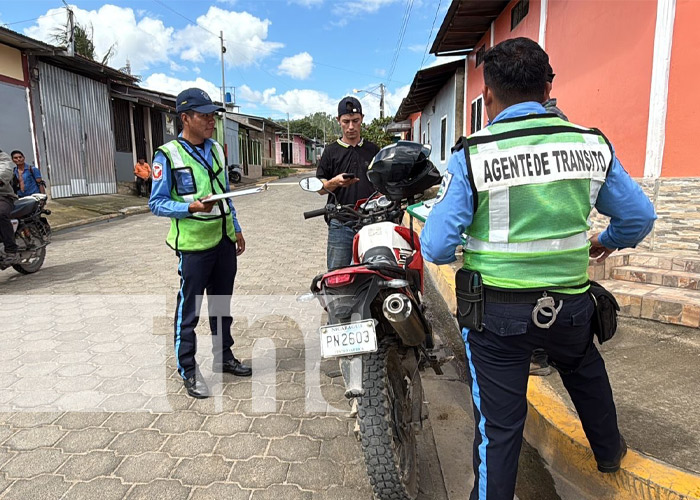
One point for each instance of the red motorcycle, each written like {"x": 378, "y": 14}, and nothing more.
{"x": 377, "y": 326}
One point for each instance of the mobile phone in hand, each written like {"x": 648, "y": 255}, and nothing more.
{"x": 348, "y": 176}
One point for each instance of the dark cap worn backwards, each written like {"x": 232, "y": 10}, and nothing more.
{"x": 196, "y": 100}
{"x": 349, "y": 105}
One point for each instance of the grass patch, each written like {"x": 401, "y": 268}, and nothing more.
{"x": 278, "y": 171}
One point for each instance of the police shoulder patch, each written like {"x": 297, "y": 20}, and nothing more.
{"x": 444, "y": 186}
{"x": 157, "y": 171}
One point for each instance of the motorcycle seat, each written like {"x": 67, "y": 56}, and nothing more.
{"x": 23, "y": 207}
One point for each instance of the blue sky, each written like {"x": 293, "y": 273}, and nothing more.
{"x": 283, "y": 56}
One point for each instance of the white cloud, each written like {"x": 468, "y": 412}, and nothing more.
{"x": 361, "y": 6}
{"x": 177, "y": 67}
{"x": 298, "y": 66}
{"x": 113, "y": 26}
{"x": 306, "y": 3}
{"x": 146, "y": 41}
{"x": 392, "y": 101}
{"x": 228, "y": 2}
{"x": 172, "y": 85}
{"x": 244, "y": 37}
{"x": 380, "y": 71}
{"x": 302, "y": 102}
{"x": 297, "y": 102}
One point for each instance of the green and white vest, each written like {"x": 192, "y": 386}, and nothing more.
{"x": 200, "y": 231}
{"x": 535, "y": 179}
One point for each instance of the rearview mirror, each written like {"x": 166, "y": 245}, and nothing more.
{"x": 311, "y": 184}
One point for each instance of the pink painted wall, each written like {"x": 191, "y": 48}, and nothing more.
{"x": 602, "y": 54}
{"x": 683, "y": 97}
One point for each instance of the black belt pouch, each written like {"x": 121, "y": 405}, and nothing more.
{"x": 604, "y": 322}
{"x": 470, "y": 299}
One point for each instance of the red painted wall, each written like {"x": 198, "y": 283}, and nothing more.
{"x": 683, "y": 96}
{"x": 601, "y": 53}
{"x": 528, "y": 27}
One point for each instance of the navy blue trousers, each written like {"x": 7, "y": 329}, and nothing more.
{"x": 499, "y": 360}
{"x": 212, "y": 271}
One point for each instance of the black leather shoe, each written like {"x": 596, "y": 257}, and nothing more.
{"x": 614, "y": 465}
{"x": 233, "y": 366}
{"x": 196, "y": 387}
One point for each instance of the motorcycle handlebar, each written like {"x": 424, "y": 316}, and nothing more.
{"x": 314, "y": 213}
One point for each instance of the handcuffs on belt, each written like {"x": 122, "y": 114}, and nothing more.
{"x": 546, "y": 307}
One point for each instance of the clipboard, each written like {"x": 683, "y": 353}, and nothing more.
{"x": 217, "y": 197}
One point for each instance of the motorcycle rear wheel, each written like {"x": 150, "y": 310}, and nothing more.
{"x": 387, "y": 434}
{"x": 33, "y": 265}
{"x": 235, "y": 177}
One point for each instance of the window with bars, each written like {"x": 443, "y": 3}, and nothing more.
{"x": 477, "y": 112}
{"x": 480, "y": 55}
{"x": 443, "y": 138}
{"x": 518, "y": 13}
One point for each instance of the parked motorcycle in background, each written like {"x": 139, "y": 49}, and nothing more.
{"x": 32, "y": 234}
{"x": 235, "y": 174}
{"x": 377, "y": 327}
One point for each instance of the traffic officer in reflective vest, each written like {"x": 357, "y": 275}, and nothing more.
{"x": 205, "y": 235}
{"x": 522, "y": 189}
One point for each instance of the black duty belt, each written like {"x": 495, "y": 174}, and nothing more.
{"x": 522, "y": 297}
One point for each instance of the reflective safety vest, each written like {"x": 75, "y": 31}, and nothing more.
{"x": 535, "y": 179}
{"x": 193, "y": 180}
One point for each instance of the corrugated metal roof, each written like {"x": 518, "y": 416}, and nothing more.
{"x": 426, "y": 84}
{"x": 465, "y": 23}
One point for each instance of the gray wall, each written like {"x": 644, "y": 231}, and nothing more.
{"x": 443, "y": 104}
{"x": 125, "y": 166}
{"x": 15, "y": 129}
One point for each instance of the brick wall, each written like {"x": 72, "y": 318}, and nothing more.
{"x": 677, "y": 204}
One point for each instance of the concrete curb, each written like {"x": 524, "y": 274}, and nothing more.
{"x": 557, "y": 434}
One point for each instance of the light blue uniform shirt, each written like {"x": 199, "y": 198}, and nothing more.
{"x": 162, "y": 204}
{"x": 631, "y": 213}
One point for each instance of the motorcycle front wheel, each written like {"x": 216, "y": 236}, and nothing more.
{"x": 385, "y": 416}
{"x": 34, "y": 263}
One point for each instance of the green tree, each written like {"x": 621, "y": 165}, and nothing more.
{"x": 376, "y": 131}
{"x": 82, "y": 41}
{"x": 314, "y": 125}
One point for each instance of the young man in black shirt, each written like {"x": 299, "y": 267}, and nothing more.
{"x": 343, "y": 170}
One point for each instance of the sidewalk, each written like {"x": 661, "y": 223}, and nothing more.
{"x": 653, "y": 372}
{"x": 67, "y": 213}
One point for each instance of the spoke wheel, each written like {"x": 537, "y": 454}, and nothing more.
{"x": 387, "y": 433}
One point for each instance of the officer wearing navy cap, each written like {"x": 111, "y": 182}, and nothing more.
{"x": 522, "y": 190}
{"x": 205, "y": 235}
{"x": 343, "y": 169}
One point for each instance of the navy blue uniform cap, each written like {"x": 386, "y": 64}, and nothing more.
{"x": 196, "y": 100}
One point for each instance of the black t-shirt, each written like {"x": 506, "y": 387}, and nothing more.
{"x": 339, "y": 158}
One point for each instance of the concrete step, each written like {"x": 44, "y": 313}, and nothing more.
{"x": 676, "y": 306}
{"x": 662, "y": 277}
{"x": 667, "y": 261}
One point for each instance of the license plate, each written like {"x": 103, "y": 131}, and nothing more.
{"x": 348, "y": 339}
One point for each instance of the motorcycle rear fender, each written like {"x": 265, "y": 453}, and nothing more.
{"x": 351, "y": 368}
{"x": 351, "y": 302}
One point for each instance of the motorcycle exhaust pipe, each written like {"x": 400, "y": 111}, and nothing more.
{"x": 399, "y": 310}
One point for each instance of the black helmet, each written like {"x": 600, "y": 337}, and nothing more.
{"x": 403, "y": 169}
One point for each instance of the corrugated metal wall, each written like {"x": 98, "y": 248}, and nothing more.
{"x": 78, "y": 132}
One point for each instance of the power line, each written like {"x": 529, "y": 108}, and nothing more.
{"x": 402, "y": 34}
{"x": 272, "y": 51}
{"x": 34, "y": 19}
{"x": 425, "y": 53}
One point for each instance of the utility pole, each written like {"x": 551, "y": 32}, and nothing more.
{"x": 71, "y": 31}
{"x": 223, "y": 93}
{"x": 290, "y": 155}
{"x": 381, "y": 100}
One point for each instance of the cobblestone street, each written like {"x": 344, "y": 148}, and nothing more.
{"x": 93, "y": 407}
